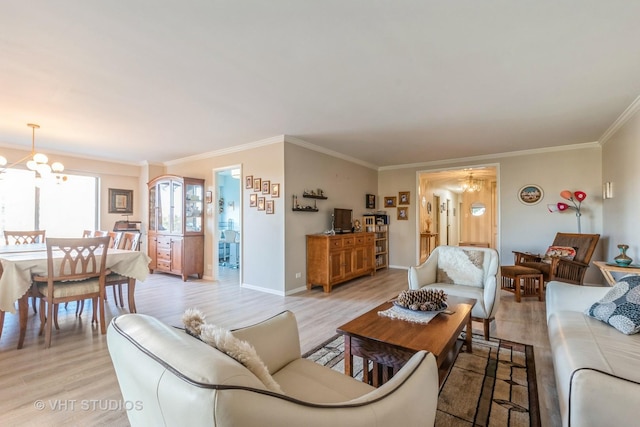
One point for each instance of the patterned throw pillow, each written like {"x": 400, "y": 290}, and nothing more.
{"x": 620, "y": 307}
{"x": 566, "y": 252}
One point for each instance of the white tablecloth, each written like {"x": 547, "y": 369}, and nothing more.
{"x": 18, "y": 267}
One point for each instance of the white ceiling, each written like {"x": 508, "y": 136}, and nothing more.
{"x": 386, "y": 82}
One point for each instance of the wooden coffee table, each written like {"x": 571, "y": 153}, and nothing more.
{"x": 390, "y": 343}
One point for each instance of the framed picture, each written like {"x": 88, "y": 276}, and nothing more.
{"x": 261, "y": 201}
{"x": 257, "y": 185}
{"x": 370, "y": 201}
{"x": 266, "y": 187}
{"x": 390, "y": 202}
{"x": 120, "y": 201}
{"x": 253, "y": 200}
{"x": 530, "y": 194}
{"x": 248, "y": 182}
{"x": 428, "y": 207}
{"x": 275, "y": 190}
{"x": 403, "y": 213}
{"x": 208, "y": 197}
{"x": 403, "y": 197}
{"x": 269, "y": 206}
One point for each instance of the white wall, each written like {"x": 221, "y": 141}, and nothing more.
{"x": 620, "y": 160}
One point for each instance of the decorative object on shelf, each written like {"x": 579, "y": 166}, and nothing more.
{"x": 575, "y": 198}
{"x": 404, "y": 197}
{"x": 275, "y": 190}
{"x": 270, "y": 207}
{"x": 266, "y": 187}
{"x": 357, "y": 227}
{"x": 257, "y": 185}
{"x": 472, "y": 185}
{"x": 120, "y": 201}
{"x": 209, "y": 197}
{"x": 261, "y": 201}
{"x": 314, "y": 194}
{"x": 37, "y": 162}
{"x": 248, "y": 182}
{"x": 530, "y": 194}
{"x": 253, "y": 200}
{"x": 390, "y": 202}
{"x": 623, "y": 259}
{"x": 428, "y": 225}
{"x": 403, "y": 213}
{"x": 299, "y": 208}
{"x": 370, "y": 201}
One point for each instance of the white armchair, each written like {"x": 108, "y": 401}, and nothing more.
{"x": 466, "y": 272}
{"x": 172, "y": 379}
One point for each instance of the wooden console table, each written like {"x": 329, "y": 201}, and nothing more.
{"x": 608, "y": 268}
{"x": 426, "y": 246}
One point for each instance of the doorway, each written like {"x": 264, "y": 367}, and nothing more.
{"x": 227, "y": 206}
{"x": 460, "y": 205}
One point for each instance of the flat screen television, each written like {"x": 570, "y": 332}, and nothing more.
{"x": 342, "y": 220}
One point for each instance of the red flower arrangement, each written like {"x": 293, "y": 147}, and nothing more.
{"x": 575, "y": 198}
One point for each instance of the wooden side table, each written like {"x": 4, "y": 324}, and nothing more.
{"x": 607, "y": 270}
{"x": 522, "y": 281}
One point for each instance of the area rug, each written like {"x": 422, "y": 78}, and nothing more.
{"x": 493, "y": 386}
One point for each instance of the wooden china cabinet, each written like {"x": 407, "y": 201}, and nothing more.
{"x": 176, "y": 225}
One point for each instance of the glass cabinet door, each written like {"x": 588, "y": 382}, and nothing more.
{"x": 152, "y": 208}
{"x": 177, "y": 211}
{"x": 164, "y": 206}
{"x": 194, "y": 206}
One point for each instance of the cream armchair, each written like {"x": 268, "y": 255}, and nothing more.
{"x": 173, "y": 379}
{"x": 466, "y": 272}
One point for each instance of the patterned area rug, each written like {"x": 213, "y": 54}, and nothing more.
{"x": 493, "y": 386}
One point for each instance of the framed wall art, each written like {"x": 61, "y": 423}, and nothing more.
{"x": 257, "y": 185}
{"x": 390, "y": 202}
{"x": 248, "y": 182}
{"x": 403, "y": 198}
{"x": 403, "y": 213}
{"x": 530, "y": 194}
{"x": 266, "y": 187}
{"x": 275, "y": 190}
{"x": 253, "y": 200}
{"x": 370, "y": 201}
{"x": 261, "y": 201}
{"x": 120, "y": 201}
{"x": 269, "y": 206}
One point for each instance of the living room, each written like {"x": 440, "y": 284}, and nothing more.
{"x": 273, "y": 246}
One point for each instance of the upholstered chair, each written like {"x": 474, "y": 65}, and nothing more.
{"x": 463, "y": 271}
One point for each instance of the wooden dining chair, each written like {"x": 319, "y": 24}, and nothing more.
{"x": 115, "y": 236}
{"x": 130, "y": 242}
{"x": 31, "y": 237}
{"x": 12, "y": 237}
{"x": 78, "y": 275}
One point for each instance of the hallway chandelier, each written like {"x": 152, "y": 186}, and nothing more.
{"x": 472, "y": 185}
{"x": 37, "y": 162}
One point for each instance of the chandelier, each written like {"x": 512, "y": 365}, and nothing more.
{"x": 37, "y": 162}
{"x": 472, "y": 185}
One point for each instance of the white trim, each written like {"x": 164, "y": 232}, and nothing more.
{"x": 620, "y": 121}
{"x": 495, "y": 156}
{"x": 308, "y": 145}
{"x": 296, "y": 290}
{"x": 260, "y": 289}
{"x": 228, "y": 150}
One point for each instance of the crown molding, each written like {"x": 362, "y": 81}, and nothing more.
{"x": 492, "y": 157}
{"x": 310, "y": 146}
{"x": 621, "y": 120}
{"x": 229, "y": 150}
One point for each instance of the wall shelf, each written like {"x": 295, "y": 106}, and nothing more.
{"x": 304, "y": 210}
{"x": 313, "y": 196}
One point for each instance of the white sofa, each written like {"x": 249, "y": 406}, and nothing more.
{"x": 172, "y": 379}
{"x": 597, "y": 368}
{"x": 460, "y": 272}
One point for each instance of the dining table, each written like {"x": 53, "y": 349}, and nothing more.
{"x": 19, "y": 263}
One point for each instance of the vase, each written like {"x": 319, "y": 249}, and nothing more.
{"x": 623, "y": 259}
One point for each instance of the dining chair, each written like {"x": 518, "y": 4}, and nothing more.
{"x": 12, "y": 237}
{"x": 87, "y": 233}
{"x": 115, "y": 236}
{"x": 100, "y": 233}
{"x": 130, "y": 242}
{"x": 79, "y": 274}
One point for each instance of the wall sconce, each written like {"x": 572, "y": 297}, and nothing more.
{"x": 607, "y": 190}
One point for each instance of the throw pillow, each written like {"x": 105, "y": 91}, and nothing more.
{"x": 223, "y": 340}
{"x": 620, "y": 307}
{"x": 460, "y": 266}
{"x": 566, "y": 252}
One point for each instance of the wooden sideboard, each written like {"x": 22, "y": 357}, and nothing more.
{"x": 336, "y": 259}
{"x": 428, "y": 242}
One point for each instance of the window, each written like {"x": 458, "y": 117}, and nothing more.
{"x": 64, "y": 210}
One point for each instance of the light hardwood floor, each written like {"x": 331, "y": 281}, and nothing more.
{"x": 76, "y": 384}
